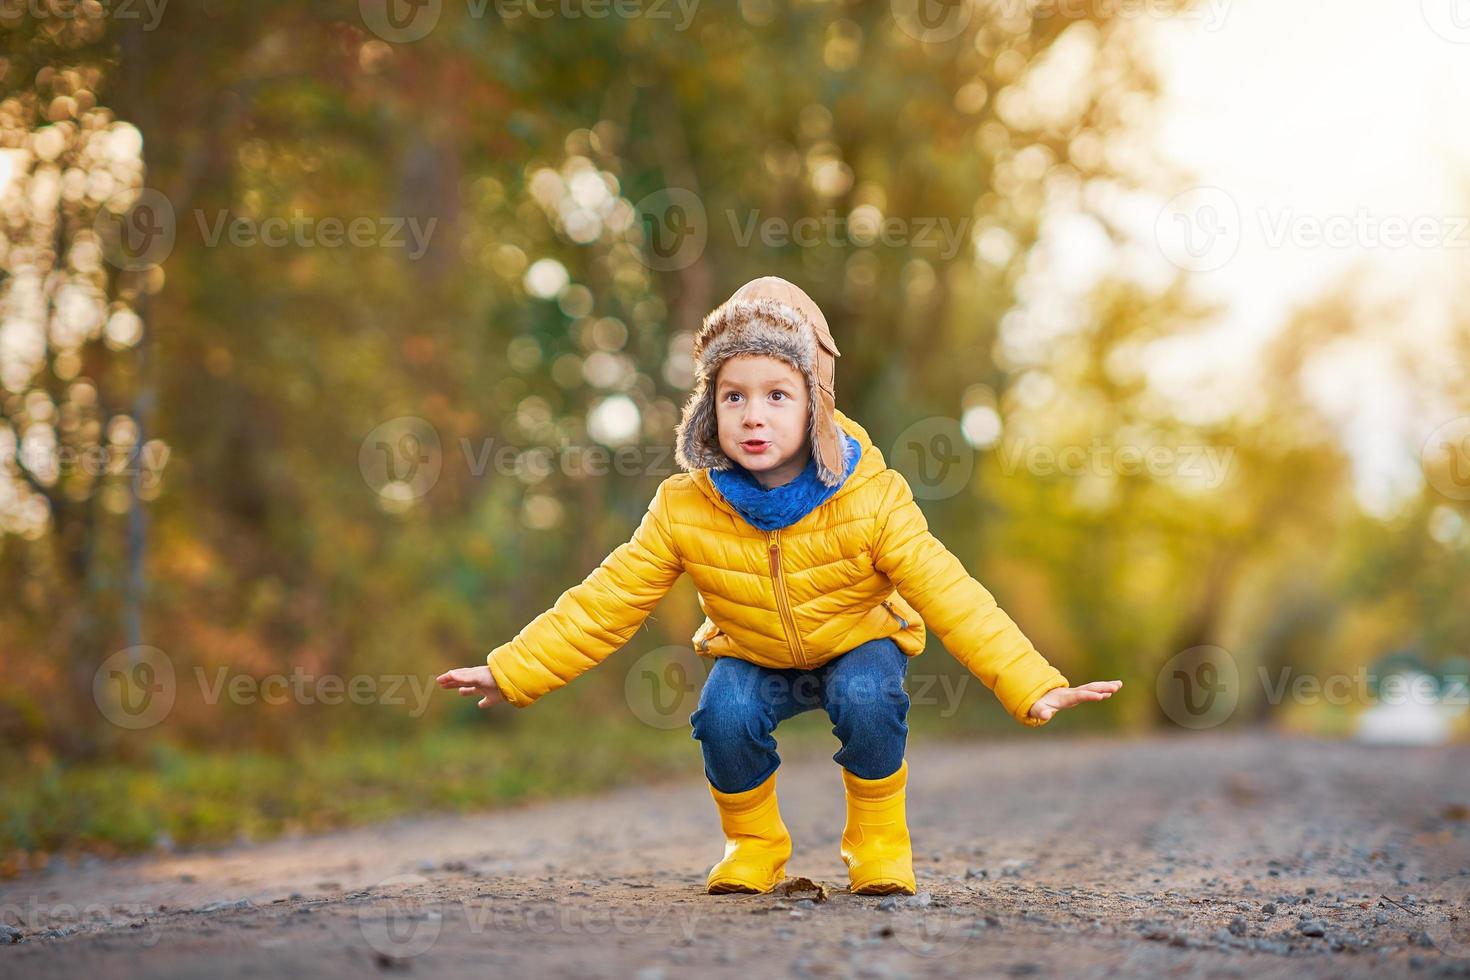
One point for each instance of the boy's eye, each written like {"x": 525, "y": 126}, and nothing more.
{"x": 733, "y": 395}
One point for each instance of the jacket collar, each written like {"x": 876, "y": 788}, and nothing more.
{"x": 869, "y": 465}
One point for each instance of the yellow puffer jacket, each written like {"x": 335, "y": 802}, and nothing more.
{"x": 860, "y": 566}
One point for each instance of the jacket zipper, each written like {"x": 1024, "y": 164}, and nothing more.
{"x": 903, "y": 623}
{"x": 793, "y": 638}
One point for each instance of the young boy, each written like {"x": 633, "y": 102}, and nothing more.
{"x": 817, "y": 574}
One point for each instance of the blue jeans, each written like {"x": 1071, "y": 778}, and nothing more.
{"x": 742, "y": 703}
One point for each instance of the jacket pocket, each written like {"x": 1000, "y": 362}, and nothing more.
{"x": 702, "y": 636}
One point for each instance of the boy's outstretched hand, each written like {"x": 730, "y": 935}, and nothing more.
{"x": 1068, "y": 697}
{"x": 473, "y": 682}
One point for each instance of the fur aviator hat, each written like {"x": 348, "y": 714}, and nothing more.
{"x": 771, "y": 317}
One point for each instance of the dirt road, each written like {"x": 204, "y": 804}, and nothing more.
{"x": 1210, "y": 855}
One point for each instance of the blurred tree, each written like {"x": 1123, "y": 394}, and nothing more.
{"x": 549, "y": 210}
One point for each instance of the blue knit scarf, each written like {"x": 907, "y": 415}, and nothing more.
{"x": 788, "y": 503}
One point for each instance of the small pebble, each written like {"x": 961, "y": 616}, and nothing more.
{"x": 221, "y": 906}
{"x": 1312, "y": 927}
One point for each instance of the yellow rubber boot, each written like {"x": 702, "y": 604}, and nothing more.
{"x": 757, "y": 844}
{"x": 875, "y": 842}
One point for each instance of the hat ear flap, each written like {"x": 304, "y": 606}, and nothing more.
{"x": 826, "y": 441}
{"x": 697, "y": 438}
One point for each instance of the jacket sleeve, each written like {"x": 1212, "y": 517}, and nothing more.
{"x": 972, "y": 627}
{"x": 593, "y": 619}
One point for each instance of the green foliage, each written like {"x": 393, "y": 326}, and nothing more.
{"x": 258, "y": 542}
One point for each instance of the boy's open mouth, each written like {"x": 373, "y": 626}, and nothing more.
{"x": 755, "y": 445}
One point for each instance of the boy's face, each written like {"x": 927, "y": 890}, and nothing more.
{"x": 762, "y": 416}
